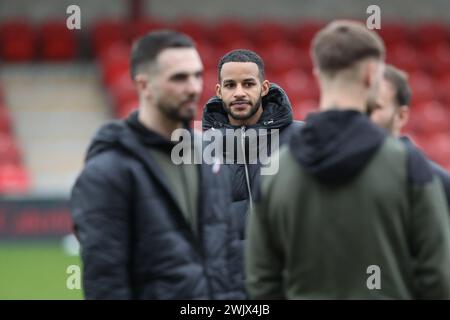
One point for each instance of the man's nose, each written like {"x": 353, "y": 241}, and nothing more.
{"x": 239, "y": 92}
{"x": 195, "y": 85}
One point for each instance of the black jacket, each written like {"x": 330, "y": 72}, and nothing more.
{"x": 277, "y": 114}
{"x": 135, "y": 241}
{"x": 440, "y": 172}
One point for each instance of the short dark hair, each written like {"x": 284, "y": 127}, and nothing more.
{"x": 146, "y": 49}
{"x": 399, "y": 80}
{"x": 342, "y": 43}
{"x": 242, "y": 55}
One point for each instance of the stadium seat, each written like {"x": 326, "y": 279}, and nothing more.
{"x": 437, "y": 59}
{"x": 57, "y": 42}
{"x": 437, "y": 147}
{"x": 434, "y": 118}
{"x": 17, "y": 41}
{"x": 394, "y": 33}
{"x": 114, "y": 62}
{"x": 197, "y": 30}
{"x": 269, "y": 33}
{"x": 302, "y": 33}
{"x": 5, "y": 121}
{"x": 106, "y": 33}
{"x": 9, "y": 152}
{"x": 13, "y": 179}
{"x": 405, "y": 57}
{"x": 428, "y": 34}
{"x": 302, "y": 108}
{"x": 228, "y": 31}
{"x": 423, "y": 88}
{"x": 138, "y": 28}
{"x": 284, "y": 56}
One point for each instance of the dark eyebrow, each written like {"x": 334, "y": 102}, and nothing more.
{"x": 180, "y": 75}
{"x": 184, "y": 75}
{"x": 229, "y": 81}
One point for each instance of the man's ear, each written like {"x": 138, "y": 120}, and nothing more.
{"x": 218, "y": 90}
{"x": 265, "y": 88}
{"x": 403, "y": 116}
{"x": 372, "y": 72}
{"x": 142, "y": 84}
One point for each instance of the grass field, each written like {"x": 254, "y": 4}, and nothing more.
{"x": 35, "y": 271}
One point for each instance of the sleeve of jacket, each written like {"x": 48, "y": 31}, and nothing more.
{"x": 264, "y": 262}
{"x": 430, "y": 232}
{"x": 99, "y": 211}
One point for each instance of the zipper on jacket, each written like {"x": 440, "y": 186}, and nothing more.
{"x": 247, "y": 177}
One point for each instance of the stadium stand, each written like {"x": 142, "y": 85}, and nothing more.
{"x": 421, "y": 49}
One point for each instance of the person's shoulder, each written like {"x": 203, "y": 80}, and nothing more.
{"x": 443, "y": 174}
{"x": 287, "y": 132}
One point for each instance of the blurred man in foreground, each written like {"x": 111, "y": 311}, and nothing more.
{"x": 352, "y": 213}
{"x": 148, "y": 228}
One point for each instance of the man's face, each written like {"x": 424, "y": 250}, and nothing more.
{"x": 178, "y": 83}
{"x": 241, "y": 89}
{"x": 377, "y": 70}
{"x": 384, "y": 112}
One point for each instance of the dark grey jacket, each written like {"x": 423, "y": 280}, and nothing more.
{"x": 277, "y": 115}
{"x": 135, "y": 241}
{"x": 440, "y": 172}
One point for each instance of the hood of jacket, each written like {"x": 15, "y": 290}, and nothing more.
{"x": 277, "y": 111}
{"x": 130, "y": 135}
{"x": 334, "y": 146}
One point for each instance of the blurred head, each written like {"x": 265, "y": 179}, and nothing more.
{"x": 346, "y": 52}
{"x": 167, "y": 71}
{"x": 391, "y": 108}
{"x": 241, "y": 86}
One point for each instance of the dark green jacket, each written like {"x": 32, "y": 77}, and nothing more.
{"x": 346, "y": 198}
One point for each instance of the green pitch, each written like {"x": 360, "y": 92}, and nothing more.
{"x": 36, "y": 271}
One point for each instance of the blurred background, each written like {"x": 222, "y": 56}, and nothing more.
{"x": 57, "y": 86}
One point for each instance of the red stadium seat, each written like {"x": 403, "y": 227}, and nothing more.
{"x": 434, "y": 118}
{"x": 13, "y": 179}
{"x": 423, "y": 88}
{"x": 114, "y": 62}
{"x": 9, "y": 152}
{"x": 437, "y": 147}
{"x": 302, "y": 108}
{"x": 285, "y": 56}
{"x": 106, "y": 33}
{"x": 196, "y": 29}
{"x": 269, "y": 33}
{"x": 428, "y": 34}
{"x": 123, "y": 111}
{"x": 141, "y": 27}
{"x": 5, "y": 121}
{"x": 300, "y": 84}
{"x": 303, "y": 33}
{"x": 57, "y": 42}
{"x": 437, "y": 58}
{"x": 17, "y": 40}
{"x": 405, "y": 57}
{"x": 394, "y": 33}
{"x": 229, "y": 31}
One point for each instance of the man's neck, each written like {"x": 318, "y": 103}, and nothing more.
{"x": 153, "y": 119}
{"x": 247, "y": 122}
{"x": 343, "y": 97}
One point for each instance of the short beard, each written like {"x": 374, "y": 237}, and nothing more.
{"x": 252, "y": 112}
{"x": 173, "y": 113}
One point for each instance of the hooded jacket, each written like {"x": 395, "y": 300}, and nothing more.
{"x": 276, "y": 116}
{"x": 440, "y": 172}
{"x": 352, "y": 214}
{"x": 135, "y": 241}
